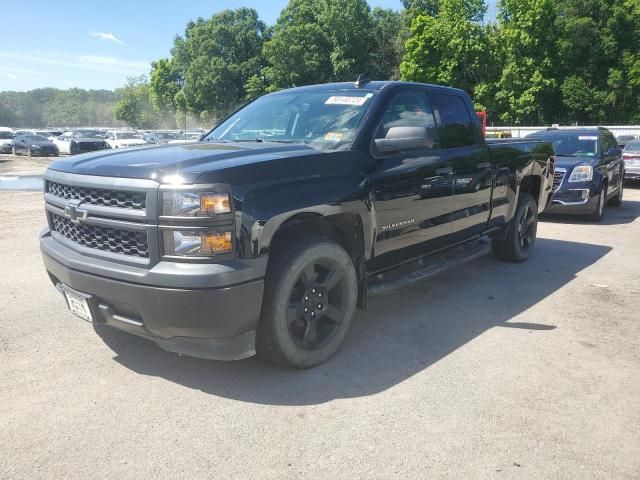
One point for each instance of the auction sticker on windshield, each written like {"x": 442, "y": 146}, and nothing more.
{"x": 587, "y": 138}
{"x": 345, "y": 100}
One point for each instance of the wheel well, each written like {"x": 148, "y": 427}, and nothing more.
{"x": 531, "y": 185}
{"x": 345, "y": 229}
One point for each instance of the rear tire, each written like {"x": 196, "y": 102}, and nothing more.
{"x": 521, "y": 232}
{"x": 310, "y": 297}
{"x": 598, "y": 210}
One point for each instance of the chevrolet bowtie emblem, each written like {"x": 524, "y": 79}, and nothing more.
{"x": 75, "y": 213}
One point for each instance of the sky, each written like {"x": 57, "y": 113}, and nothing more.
{"x": 71, "y": 44}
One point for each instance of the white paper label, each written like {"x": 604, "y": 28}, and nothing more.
{"x": 344, "y": 100}
{"x": 587, "y": 138}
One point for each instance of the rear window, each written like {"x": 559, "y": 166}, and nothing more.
{"x": 457, "y": 128}
{"x": 632, "y": 147}
{"x": 6, "y": 135}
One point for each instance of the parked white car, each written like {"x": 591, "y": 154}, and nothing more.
{"x": 6, "y": 139}
{"x": 124, "y": 138}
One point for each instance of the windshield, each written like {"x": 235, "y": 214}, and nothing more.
{"x": 324, "y": 120}
{"x": 632, "y": 147}
{"x": 6, "y": 135}
{"x": 571, "y": 144}
{"x": 127, "y": 135}
{"x": 86, "y": 134}
{"x": 37, "y": 138}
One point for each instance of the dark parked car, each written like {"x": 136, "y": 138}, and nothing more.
{"x": 34, "y": 145}
{"x": 267, "y": 234}
{"x": 158, "y": 138}
{"x": 589, "y": 171}
{"x": 81, "y": 140}
{"x": 631, "y": 156}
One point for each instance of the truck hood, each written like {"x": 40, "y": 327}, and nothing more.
{"x": 188, "y": 160}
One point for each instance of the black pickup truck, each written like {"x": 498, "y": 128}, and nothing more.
{"x": 271, "y": 230}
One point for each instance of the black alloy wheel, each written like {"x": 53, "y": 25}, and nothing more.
{"x": 311, "y": 291}
{"x": 527, "y": 227}
{"x": 317, "y": 304}
{"x": 518, "y": 239}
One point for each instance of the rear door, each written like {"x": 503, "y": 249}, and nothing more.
{"x": 413, "y": 189}
{"x": 464, "y": 148}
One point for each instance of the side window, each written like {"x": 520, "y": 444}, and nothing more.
{"x": 456, "y": 127}
{"x": 409, "y": 109}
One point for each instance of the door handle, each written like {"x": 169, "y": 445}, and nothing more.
{"x": 444, "y": 171}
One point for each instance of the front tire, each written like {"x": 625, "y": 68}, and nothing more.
{"x": 617, "y": 200}
{"x": 598, "y": 210}
{"x": 310, "y": 297}
{"x": 521, "y": 233}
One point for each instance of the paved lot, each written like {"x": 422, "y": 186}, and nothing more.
{"x": 495, "y": 371}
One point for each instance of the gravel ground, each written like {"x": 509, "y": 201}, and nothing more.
{"x": 494, "y": 371}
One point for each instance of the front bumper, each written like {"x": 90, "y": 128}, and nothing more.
{"x": 576, "y": 199}
{"x": 208, "y": 322}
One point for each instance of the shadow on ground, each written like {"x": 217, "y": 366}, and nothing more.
{"x": 400, "y": 335}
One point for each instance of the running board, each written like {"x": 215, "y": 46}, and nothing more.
{"x": 427, "y": 267}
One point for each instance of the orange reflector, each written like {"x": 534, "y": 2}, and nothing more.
{"x": 216, "y": 242}
{"x": 214, "y": 203}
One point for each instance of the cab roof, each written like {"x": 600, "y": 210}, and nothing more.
{"x": 375, "y": 85}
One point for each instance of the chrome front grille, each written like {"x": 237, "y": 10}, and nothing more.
{"x": 98, "y": 196}
{"x": 114, "y": 240}
{"x": 558, "y": 178}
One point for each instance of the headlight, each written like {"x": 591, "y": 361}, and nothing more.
{"x": 186, "y": 243}
{"x": 581, "y": 173}
{"x": 194, "y": 204}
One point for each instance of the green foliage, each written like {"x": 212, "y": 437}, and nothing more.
{"x": 213, "y": 62}
{"x": 390, "y": 35}
{"x": 316, "y": 42}
{"x": 134, "y": 104}
{"x": 57, "y": 108}
{"x": 450, "y": 48}
{"x": 540, "y": 61}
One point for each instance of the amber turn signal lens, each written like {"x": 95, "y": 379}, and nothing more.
{"x": 216, "y": 242}
{"x": 214, "y": 203}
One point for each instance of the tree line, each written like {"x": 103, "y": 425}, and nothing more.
{"x": 538, "y": 62}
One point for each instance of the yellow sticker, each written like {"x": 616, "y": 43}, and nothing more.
{"x": 333, "y": 137}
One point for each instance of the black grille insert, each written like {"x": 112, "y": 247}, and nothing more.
{"x": 114, "y": 240}
{"x": 98, "y": 196}
{"x": 558, "y": 177}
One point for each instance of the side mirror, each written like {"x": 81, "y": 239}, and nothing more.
{"x": 403, "y": 138}
{"x": 614, "y": 152}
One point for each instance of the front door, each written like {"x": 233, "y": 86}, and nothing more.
{"x": 413, "y": 189}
